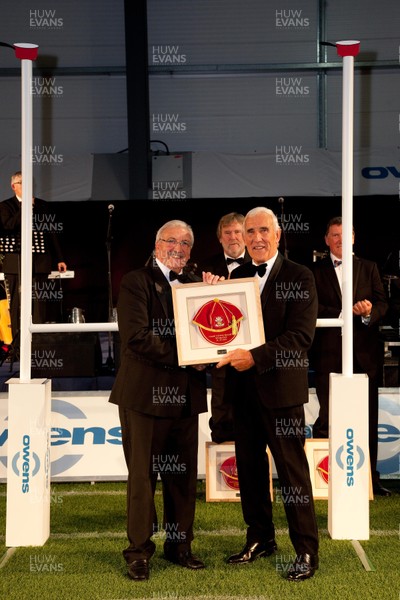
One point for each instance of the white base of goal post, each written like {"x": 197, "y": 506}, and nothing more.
{"x": 28, "y": 462}
{"x": 349, "y": 464}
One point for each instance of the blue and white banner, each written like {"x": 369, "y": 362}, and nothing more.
{"x": 86, "y": 437}
{"x": 293, "y": 170}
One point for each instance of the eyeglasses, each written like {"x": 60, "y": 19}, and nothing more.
{"x": 173, "y": 242}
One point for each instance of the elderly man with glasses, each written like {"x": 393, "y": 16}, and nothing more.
{"x": 159, "y": 403}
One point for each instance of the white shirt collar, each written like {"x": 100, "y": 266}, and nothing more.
{"x": 270, "y": 262}
{"x": 333, "y": 257}
{"x": 166, "y": 271}
{"x": 240, "y": 255}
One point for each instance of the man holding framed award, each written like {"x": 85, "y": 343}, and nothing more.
{"x": 269, "y": 386}
{"x": 159, "y": 403}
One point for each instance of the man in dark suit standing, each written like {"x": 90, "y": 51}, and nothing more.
{"x": 159, "y": 403}
{"x": 48, "y": 257}
{"x": 234, "y": 253}
{"x": 230, "y": 236}
{"x": 270, "y": 386}
{"x": 369, "y": 308}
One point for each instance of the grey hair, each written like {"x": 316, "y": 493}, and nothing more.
{"x": 176, "y": 223}
{"x": 263, "y": 210}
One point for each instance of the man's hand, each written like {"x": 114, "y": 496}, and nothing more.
{"x": 362, "y": 308}
{"x": 211, "y": 278}
{"x": 239, "y": 359}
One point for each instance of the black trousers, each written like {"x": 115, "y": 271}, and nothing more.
{"x": 167, "y": 447}
{"x": 283, "y": 431}
{"x": 221, "y": 421}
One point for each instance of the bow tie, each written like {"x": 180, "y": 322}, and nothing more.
{"x": 260, "y": 269}
{"x": 239, "y": 261}
{"x": 181, "y": 277}
{"x": 337, "y": 263}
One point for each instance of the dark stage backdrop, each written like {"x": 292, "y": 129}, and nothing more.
{"x": 134, "y": 224}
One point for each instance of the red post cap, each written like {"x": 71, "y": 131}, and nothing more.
{"x": 26, "y": 51}
{"x": 348, "y": 47}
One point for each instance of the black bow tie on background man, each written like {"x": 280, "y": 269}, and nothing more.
{"x": 239, "y": 261}
{"x": 260, "y": 269}
{"x": 181, "y": 277}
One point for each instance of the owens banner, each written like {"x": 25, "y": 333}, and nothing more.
{"x": 85, "y": 437}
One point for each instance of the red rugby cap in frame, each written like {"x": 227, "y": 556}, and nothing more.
{"x": 218, "y": 321}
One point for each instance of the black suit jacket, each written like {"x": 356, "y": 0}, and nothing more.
{"x": 327, "y": 347}
{"x": 217, "y": 264}
{"x": 10, "y": 225}
{"x": 149, "y": 379}
{"x": 289, "y": 311}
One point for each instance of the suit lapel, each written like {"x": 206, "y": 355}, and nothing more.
{"x": 163, "y": 290}
{"x": 223, "y": 268}
{"x": 247, "y": 259}
{"x": 330, "y": 270}
{"x": 332, "y": 277}
{"x": 271, "y": 278}
{"x": 245, "y": 271}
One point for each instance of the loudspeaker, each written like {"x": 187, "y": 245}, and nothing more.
{"x": 65, "y": 355}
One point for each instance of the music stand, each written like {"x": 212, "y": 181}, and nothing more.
{"x": 11, "y": 244}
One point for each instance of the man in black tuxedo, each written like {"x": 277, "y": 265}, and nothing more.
{"x": 234, "y": 253}
{"x": 159, "y": 403}
{"x": 43, "y": 262}
{"x": 270, "y": 386}
{"x": 369, "y": 308}
{"x": 230, "y": 236}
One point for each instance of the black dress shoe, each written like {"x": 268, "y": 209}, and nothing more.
{"x": 379, "y": 490}
{"x": 252, "y": 551}
{"x": 139, "y": 569}
{"x": 303, "y": 567}
{"x": 185, "y": 559}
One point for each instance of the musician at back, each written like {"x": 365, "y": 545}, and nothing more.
{"x": 46, "y": 256}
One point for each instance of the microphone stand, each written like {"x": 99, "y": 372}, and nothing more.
{"x": 110, "y": 364}
{"x": 286, "y": 251}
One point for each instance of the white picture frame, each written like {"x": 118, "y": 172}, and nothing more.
{"x": 242, "y": 296}
{"x": 222, "y": 483}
